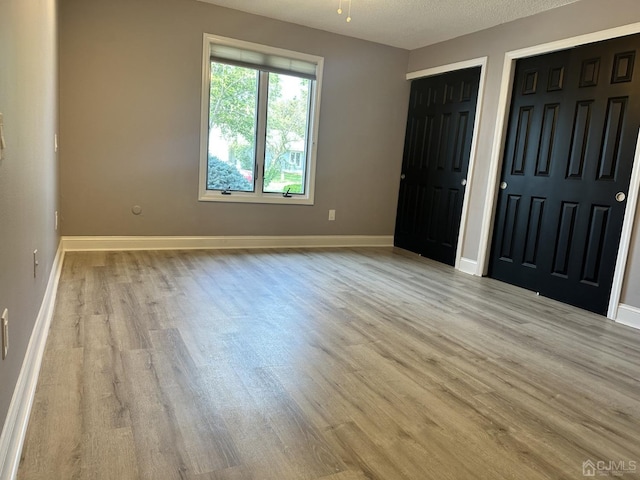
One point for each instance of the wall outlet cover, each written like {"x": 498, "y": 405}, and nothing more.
{"x": 4, "y": 322}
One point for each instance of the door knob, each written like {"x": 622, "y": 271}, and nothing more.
{"x": 620, "y": 196}
{"x": 403, "y": 176}
{"x": 463, "y": 182}
{"x": 503, "y": 185}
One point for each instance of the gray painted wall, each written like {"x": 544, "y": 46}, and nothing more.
{"x": 28, "y": 181}
{"x": 130, "y": 105}
{"x": 130, "y": 88}
{"x": 578, "y": 18}
{"x": 130, "y": 83}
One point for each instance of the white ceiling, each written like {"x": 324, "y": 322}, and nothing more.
{"x": 406, "y": 24}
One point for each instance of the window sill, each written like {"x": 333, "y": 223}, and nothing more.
{"x": 238, "y": 197}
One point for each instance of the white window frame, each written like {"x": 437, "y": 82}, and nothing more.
{"x": 258, "y": 196}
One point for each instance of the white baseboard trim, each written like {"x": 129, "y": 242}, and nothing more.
{"x": 72, "y": 243}
{"x": 628, "y": 315}
{"x": 15, "y": 425}
{"x": 468, "y": 266}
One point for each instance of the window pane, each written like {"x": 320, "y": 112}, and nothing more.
{"x": 286, "y": 139}
{"x": 233, "y": 104}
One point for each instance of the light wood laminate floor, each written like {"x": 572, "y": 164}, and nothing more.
{"x": 344, "y": 364}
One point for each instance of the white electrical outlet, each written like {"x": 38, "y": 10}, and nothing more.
{"x": 55, "y": 142}
{"x": 3, "y": 144}
{"x": 55, "y": 223}
{"x": 332, "y": 215}
{"x": 35, "y": 263}
{"x": 5, "y": 333}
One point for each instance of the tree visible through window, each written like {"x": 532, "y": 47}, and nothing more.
{"x": 232, "y": 128}
{"x": 260, "y": 112}
{"x": 237, "y": 156}
{"x": 287, "y": 123}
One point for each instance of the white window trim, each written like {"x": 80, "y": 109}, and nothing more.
{"x": 314, "y": 115}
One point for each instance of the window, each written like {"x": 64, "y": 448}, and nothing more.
{"x": 260, "y": 108}
{"x": 296, "y": 159}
